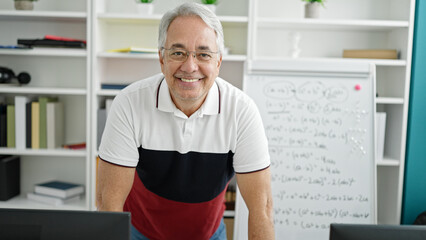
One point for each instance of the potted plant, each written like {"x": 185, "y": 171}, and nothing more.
{"x": 211, "y": 4}
{"x": 145, "y": 7}
{"x": 24, "y": 4}
{"x": 312, "y": 8}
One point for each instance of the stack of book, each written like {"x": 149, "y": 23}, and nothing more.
{"x": 52, "y": 41}
{"x": 32, "y": 123}
{"x": 56, "y": 193}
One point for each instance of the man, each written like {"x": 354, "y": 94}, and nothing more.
{"x": 173, "y": 141}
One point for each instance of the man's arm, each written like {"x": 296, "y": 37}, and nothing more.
{"x": 114, "y": 184}
{"x": 255, "y": 189}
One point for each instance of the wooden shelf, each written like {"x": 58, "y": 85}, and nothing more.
{"x": 54, "y": 52}
{"x": 377, "y": 62}
{"x": 42, "y": 90}
{"x": 107, "y": 93}
{"x": 332, "y": 24}
{"x": 387, "y": 162}
{"x": 155, "y": 18}
{"x": 21, "y": 202}
{"x": 389, "y": 100}
{"x": 44, "y": 152}
{"x": 43, "y": 15}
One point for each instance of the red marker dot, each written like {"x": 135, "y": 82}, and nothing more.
{"x": 357, "y": 87}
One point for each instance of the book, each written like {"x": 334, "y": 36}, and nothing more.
{"x": 28, "y": 124}
{"x": 59, "y": 38}
{"x": 134, "y": 50}
{"x": 50, "y": 43}
{"x": 101, "y": 120}
{"x": 371, "y": 53}
{"x": 380, "y": 134}
{"x": 3, "y": 125}
{"x": 55, "y": 201}
{"x": 20, "y": 121}
{"x": 55, "y": 124}
{"x": 10, "y": 126}
{"x": 35, "y": 125}
{"x": 75, "y": 146}
{"x": 108, "y": 104}
{"x": 113, "y": 86}
{"x": 43, "y": 123}
{"x": 59, "y": 189}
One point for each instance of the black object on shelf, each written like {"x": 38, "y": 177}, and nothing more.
{"x": 7, "y": 75}
{"x": 9, "y": 177}
{"x": 51, "y": 43}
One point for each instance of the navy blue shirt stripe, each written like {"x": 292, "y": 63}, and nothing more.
{"x": 192, "y": 177}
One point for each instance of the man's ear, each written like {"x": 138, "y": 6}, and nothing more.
{"x": 160, "y": 57}
{"x": 219, "y": 63}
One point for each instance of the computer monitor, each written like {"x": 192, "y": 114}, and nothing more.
{"x": 377, "y": 232}
{"x": 26, "y": 224}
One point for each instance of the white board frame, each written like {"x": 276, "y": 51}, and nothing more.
{"x": 308, "y": 67}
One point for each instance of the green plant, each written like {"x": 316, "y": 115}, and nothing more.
{"x": 209, "y": 1}
{"x": 145, "y": 1}
{"x": 312, "y": 1}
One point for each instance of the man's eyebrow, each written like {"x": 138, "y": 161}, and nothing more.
{"x": 204, "y": 48}
{"x": 178, "y": 45}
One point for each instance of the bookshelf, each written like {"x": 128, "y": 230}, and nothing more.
{"x": 364, "y": 24}
{"x": 116, "y": 24}
{"x": 254, "y": 30}
{"x": 62, "y": 73}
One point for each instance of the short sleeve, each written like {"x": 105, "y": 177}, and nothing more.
{"x": 251, "y": 152}
{"x": 118, "y": 144}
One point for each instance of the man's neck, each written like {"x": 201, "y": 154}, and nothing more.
{"x": 189, "y": 107}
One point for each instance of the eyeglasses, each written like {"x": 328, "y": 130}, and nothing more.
{"x": 181, "y": 55}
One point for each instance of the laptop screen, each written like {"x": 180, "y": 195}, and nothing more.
{"x": 376, "y": 232}
{"x": 63, "y": 224}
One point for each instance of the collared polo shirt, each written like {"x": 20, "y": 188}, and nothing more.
{"x": 183, "y": 164}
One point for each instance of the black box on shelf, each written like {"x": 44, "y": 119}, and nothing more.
{"x": 9, "y": 177}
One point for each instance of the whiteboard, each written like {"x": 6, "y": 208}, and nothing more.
{"x": 319, "y": 121}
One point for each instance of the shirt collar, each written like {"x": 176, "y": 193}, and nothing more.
{"x": 211, "y": 105}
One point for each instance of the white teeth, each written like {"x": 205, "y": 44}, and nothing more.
{"x": 189, "y": 80}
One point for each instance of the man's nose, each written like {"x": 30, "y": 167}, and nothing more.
{"x": 190, "y": 64}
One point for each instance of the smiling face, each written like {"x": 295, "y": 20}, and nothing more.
{"x": 190, "y": 81}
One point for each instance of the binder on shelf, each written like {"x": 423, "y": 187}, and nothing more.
{"x": 21, "y": 121}
{"x": 10, "y": 126}
{"x": 35, "y": 125}
{"x": 28, "y": 124}
{"x": 55, "y": 201}
{"x": 55, "y": 124}
{"x": 380, "y": 135}
{"x": 3, "y": 125}
{"x": 59, "y": 189}
{"x": 43, "y": 119}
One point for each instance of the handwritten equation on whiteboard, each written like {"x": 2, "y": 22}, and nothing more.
{"x": 320, "y": 138}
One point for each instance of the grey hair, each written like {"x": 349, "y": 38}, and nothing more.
{"x": 191, "y": 9}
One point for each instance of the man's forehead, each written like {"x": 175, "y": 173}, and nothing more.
{"x": 199, "y": 47}
{"x": 180, "y": 31}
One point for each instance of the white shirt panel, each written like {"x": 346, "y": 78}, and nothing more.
{"x": 134, "y": 121}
